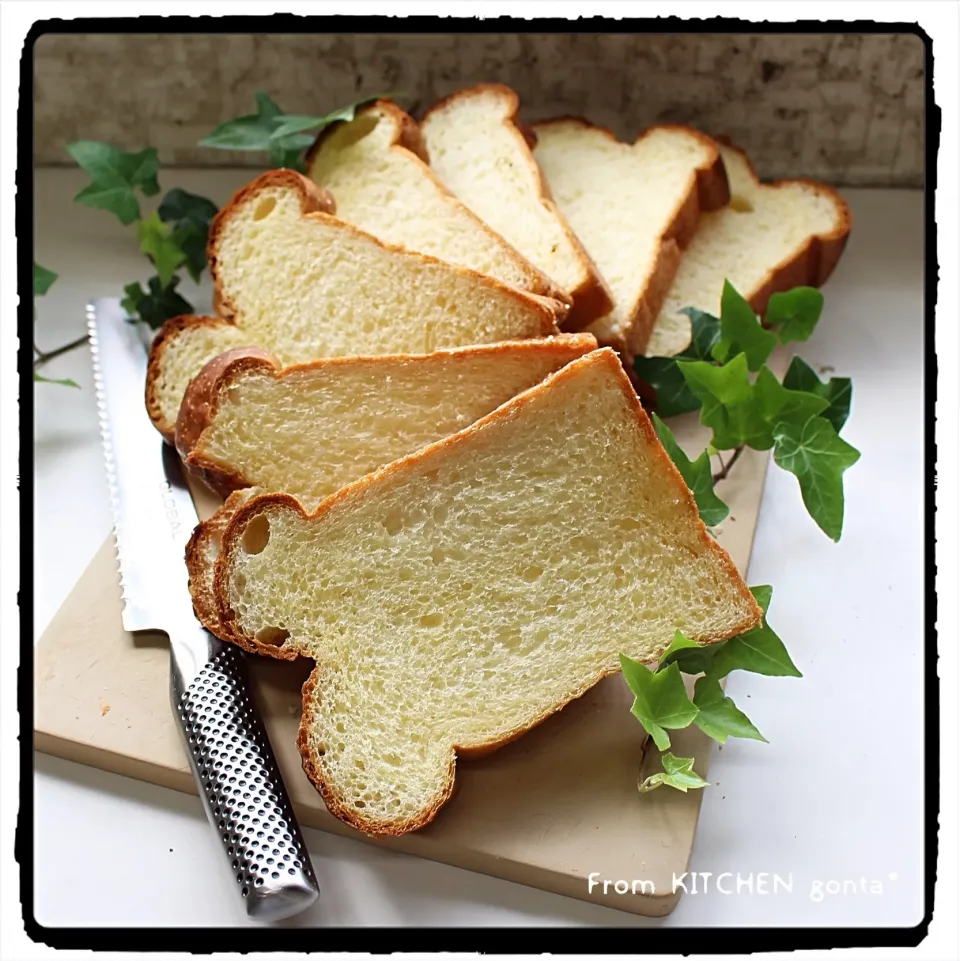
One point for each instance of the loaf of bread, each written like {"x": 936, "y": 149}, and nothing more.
{"x": 635, "y": 206}
{"x": 295, "y": 280}
{"x": 376, "y": 166}
{"x": 308, "y": 430}
{"x": 480, "y": 151}
{"x": 457, "y": 597}
{"x": 771, "y": 238}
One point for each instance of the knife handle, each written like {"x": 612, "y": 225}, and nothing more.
{"x": 240, "y": 784}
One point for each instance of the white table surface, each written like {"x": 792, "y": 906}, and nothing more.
{"x": 837, "y": 793}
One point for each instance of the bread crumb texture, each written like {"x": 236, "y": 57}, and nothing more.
{"x": 311, "y": 429}
{"x": 456, "y": 598}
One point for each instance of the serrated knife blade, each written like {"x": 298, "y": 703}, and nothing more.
{"x": 153, "y": 510}
{"x": 227, "y": 747}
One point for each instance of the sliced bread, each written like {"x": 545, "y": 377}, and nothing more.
{"x": 770, "y": 238}
{"x": 376, "y": 166}
{"x": 459, "y": 596}
{"x": 480, "y": 151}
{"x": 299, "y": 282}
{"x": 634, "y": 206}
{"x": 308, "y": 430}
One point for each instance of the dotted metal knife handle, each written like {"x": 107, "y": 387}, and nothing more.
{"x": 242, "y": 789}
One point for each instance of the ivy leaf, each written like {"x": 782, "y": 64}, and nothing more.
{"x": 777, "y": 404}
{"x": 705, "y": 334}
{"x": 697, "y": 474}
{"x": 286, "y": 154}
{"x": 741, "y": 331}
{"x": 795, "y": 313}
{"x": 677, "y": 773}
{"x": 689, "y": 656}
{"x": 680, "y": 642}
{"x": 660, "y": 699}
{"x": 66, "y": 381}
{"x": 718, "y": 717}
{"x": 42, "y": 280}
{"x": 838, "y": 391}
{"x": 116, "y": 175}
{"x": 157, "y": 242}
{"x": 180, "y": 206}
{"x": 157, "y": 304}
{"x": 250, "y": 132}
{"x": 758, "y": 650}
{"x": 664, "y": 376}
{"x": 190, "y": 216}
{"x": 728, "y": 404}
{"x": 818, "y": 457}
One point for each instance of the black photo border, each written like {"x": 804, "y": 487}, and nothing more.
{"x": 591, "y": 940}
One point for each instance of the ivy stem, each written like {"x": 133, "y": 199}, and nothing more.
{"x": 44, "y": 356}
{"x": 725, "y": 467}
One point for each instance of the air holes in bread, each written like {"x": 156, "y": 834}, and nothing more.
{"x": 256, "y": 535}
{"x": 264, "y": 208}
{"x": 275, "y": 636}
{"x": 431, "y": 620}
{"x": 741, "y": 205}
{"x": 361, "y": 127}
{"x": 393, "y": 522}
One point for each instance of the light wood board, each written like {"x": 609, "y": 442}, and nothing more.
{"x": 548, "y": 810}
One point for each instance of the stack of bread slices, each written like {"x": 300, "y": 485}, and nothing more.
{"x": 440, "y": 484}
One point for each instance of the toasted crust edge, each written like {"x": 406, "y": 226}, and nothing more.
{"x": 200, "y": 572}
{"x": 313, "y": 199}
{"x": 708, "y": 190}
{"x": 592, "y": 298}
{"x": 409, "y": 139}
{"x": 161, "y": 341}
{"x": 229, "y": 630}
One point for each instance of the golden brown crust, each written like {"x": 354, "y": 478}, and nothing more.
{"x": 200, "y": 555}
{"x": 709, "y": 190}
{"x": 333, "y": 801}
{"x": 313, "y": 199}
{"x": 592, "y": 299}
{"x": 229, "y": 629}
{"x": 409, "y": 139}
{"x": 165, "y": 335}
{"x": 202, "y": 396}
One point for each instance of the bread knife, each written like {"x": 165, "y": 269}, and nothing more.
{"x": 154, "y": 515}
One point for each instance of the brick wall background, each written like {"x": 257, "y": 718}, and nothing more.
{"x": 844, "y": 109}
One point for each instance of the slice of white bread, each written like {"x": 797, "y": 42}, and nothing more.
{"x": 299, "y": 282}
{"x": 459, "y": 596}
{"x": 480, "y": 151}
{"x": 309, "y": 429}
{"x": 376, "y": 167}
{"x": 202, "y": 551}
{"x": 771, "y": 237}
{"x": 635, "y": 207}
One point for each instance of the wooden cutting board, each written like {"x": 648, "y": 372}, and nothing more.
{"x": 550, "y": 810}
